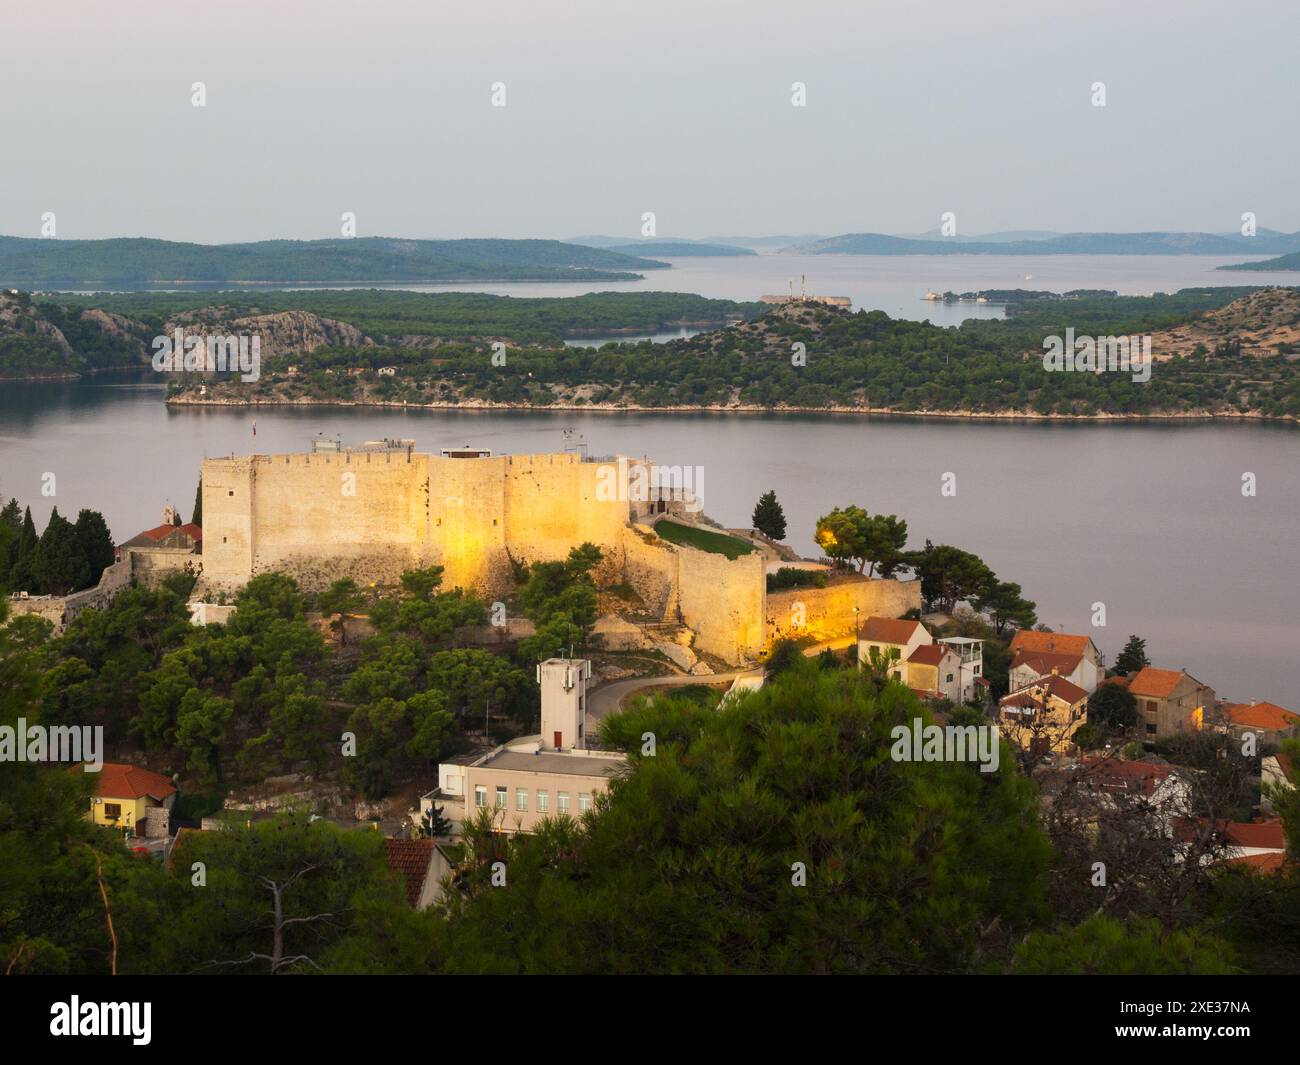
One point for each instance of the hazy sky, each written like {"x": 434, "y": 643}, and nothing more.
{"x": 383, "y": 108}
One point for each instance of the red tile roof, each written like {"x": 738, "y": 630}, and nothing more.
{"x": 1268, "y": 716}
{"x": 887, "y": 630}
{"x": 1057, "y": 687}
{"x": 119, "y": 781}
{"x": 928, "y": 654}
{"x": 1061, "y": 643}
{"x": 410, "y": 857}
{"x": 1156, "y": 683}
{"x": 1264, "y": 835}
{"x": 1268, "y": 864}
{"x": 163, "y": 531}
{"x": 1258, "y": 835}
{"x": 1112, "y": 774}
{"x": 1045, "y": 662}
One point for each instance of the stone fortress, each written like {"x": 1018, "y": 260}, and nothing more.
{"x": 373, "y": 511}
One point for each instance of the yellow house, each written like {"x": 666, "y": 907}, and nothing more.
{"x": 132, "y": 799}
{"x": 1043, "y": 716}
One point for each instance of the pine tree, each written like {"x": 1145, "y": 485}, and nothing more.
{"x": 96, "y": 543}
{"x": 433, "y": 824}
{"x": 769, "y": 518}
{"x": 198, "y": 505}
{"x": 1133, "y": 657}
{"x": 58, "y": 565}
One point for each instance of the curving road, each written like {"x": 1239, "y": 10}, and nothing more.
{"x": 605, "y": 700}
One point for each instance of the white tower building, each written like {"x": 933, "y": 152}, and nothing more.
{"x": 564, "y": 702}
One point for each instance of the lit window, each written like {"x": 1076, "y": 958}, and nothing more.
{"x": 543, "y": 801}
{"x": 521, "y": 800}
{"x": 584, "y": 802}
{"x": 562, "y": 801}
{"x": 480, "y": 796}
{"x": 501, "y": 797}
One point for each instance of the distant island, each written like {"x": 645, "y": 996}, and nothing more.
{"x": 1216, "y": 353}
{"x": 67, "y": 336}
{"x": 1282, "y": 262}
{"x": 681, "y": 249}
{"x": 1265, "y": 242}
{"x": 139, "y": 263}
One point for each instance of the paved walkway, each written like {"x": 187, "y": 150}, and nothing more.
{"x": 605, "y": 700}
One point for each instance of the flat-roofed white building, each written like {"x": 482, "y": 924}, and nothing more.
{"x": 527, "y": 780}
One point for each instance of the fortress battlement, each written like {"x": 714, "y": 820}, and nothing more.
{"x": 372, "y": 513}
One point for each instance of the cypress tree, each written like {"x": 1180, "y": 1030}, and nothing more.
{"x": 769, "y": 517}
{"x": 58, "y": 565}
{"x": 21, "y": 575}
{"x": 11, "y": 529}
{"x": 96, "y": 543}
{"x": 198, "y": 505}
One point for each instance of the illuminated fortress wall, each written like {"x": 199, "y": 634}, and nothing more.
{"x": 370, "y": 515}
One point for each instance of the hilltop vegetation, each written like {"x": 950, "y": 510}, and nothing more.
{"x": 400, "y": 318}
{"x": 141, "y": 263}
{"x": 1282, "y": 262}
{"x": 779, "y": 835}
{"x": 81, "y": 334}
{"x": 865, "y": 362}
{"x": 48, "y": 340}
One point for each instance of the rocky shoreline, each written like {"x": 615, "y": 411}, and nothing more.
{"x": 186, "y": 400}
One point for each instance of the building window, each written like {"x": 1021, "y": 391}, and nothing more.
{"x": 977, "y": 670}
{"x": 1151, "y": 706}
{"x": 480, "y": 796}
{"x": 562, "y": 801}
{"x": 113, "y": 810}
{"x": 543, "y": 801}
{"x": 584, "y": 802}
{"x": 501, "y": 797}
{"x": 949, "y": 680}
{"x": 1151, "y": 729}
{"x": 521, "y": 800}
